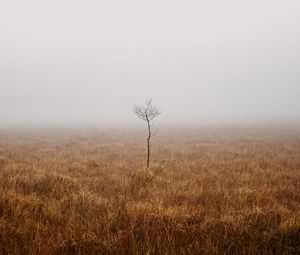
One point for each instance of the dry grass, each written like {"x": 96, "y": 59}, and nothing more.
{"x": 87, "y": 193}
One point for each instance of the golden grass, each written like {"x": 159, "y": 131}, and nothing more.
{"x": 88, "y": 193}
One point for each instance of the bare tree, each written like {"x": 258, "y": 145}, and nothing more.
{"x": 147, "y": 113}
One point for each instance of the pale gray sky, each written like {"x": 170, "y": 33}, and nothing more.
{"x": 87, "y": 62}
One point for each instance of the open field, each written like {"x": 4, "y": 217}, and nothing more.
{"x": 206, "y": 192}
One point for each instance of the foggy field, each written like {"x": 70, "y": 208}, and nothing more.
{"x": 149, "y": 127}
{"x": 206, "y": 192}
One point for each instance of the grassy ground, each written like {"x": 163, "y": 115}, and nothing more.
{"x": 207, "y": 192}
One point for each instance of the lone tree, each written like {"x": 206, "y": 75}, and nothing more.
{"x": 147, "y": 113}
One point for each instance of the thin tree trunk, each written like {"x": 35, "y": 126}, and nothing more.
{"x": 148, "y": 143}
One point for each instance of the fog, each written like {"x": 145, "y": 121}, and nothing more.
{"x": 75, "y": 62}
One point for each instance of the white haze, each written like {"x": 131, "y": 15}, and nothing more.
{"x": 78, "y": 62}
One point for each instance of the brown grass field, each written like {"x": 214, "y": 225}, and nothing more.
{"x": 87, "y": 192}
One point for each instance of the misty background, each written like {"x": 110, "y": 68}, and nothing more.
{"x": 75, "y": 62}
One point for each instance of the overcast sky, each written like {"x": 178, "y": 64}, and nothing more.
{"x": 86, "y": 62}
